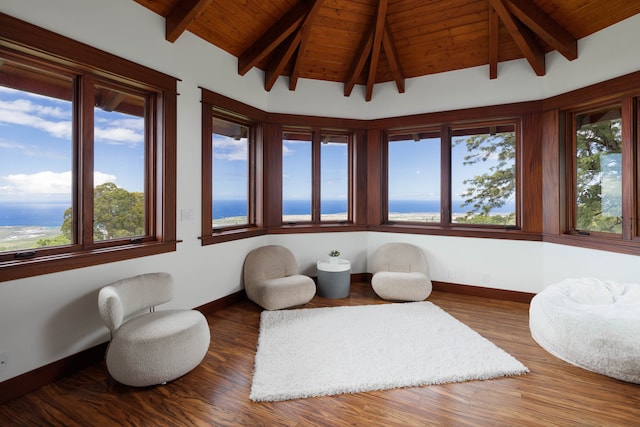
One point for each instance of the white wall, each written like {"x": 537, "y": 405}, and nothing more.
{"x": 49, "y": 317}
{"x": 560, "y": 262}
{"x": 512, "y": 265}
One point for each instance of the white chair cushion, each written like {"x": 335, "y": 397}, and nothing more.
{"x": 400, "y": 273}
{"x": 283, "y": 292}
{"x": 158, "y": 347}
{"x": 398, "y": 286}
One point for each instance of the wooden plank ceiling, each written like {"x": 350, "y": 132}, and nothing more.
{"x": 364, "y": 42}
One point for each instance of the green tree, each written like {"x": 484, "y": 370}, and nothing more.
{"x": 117, "y": 213}
{"x": 595, "y": 145}
{"x": 505, "y": 220}
{"x": 60, "y": 239}
{"x": 494, "y": 188}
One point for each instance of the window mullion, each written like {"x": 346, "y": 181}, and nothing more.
{"x": 315, "y": 177}
{"x": 445, "y": 176}
{"x": 207, "y": 173}
{"x": 84, "y": 185}
{"x": 628, "y": 160}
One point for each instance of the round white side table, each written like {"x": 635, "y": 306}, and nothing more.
{"x": 334, "y": 278}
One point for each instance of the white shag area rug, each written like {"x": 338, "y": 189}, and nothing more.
{"x": 327, "y": 351}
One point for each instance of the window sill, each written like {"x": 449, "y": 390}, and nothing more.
{"x": 458, "y": 231}
{"x": 629, "y": 247}
{"x": 19, "y": 269}
{"x": 231, "y": 235}
{"x": 316, "y": 228}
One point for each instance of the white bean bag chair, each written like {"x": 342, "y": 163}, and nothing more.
{"x": 592, "y": 324}
{"x": 152, "y": 347}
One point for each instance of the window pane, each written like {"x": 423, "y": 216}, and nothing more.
{"x": 599, "y": 171}
{"x": 296, "y": 177}
{"x": 414, "y": 177}
{"x": 36, "y": 158}
{"x": 483, "y": 176}
{"x": 230, "y": 164}
{"x": 334, "y": 178}
{"x": 119, "y": 165}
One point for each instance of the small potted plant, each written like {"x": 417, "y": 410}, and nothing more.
{"x": 333, "y": 255}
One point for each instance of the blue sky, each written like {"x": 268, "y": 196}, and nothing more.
{"x": 230, "y": 168}
{"x": 36, "y": 148}
{"x": 296, "y": 170}
{"x": 36, "y": 158}
{"x": 414, "y": 169}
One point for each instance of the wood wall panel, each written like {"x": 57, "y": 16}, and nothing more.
{"x": 551, "y": 173}
{"x": 375, "y": 177}
{"x": 273, "y": 181}
{"x": 361, "y": 177}
{"x": 530, "y": 173}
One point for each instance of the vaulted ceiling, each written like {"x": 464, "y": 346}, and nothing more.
{"x": 365, "y": 42}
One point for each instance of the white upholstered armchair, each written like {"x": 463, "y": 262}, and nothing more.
{"x": 400, "y": 273}
{"x": 272, "y": 281}
{"x": 150, "y": 347}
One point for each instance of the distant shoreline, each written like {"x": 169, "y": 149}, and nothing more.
{"x": 393, "y": 216}
{"x": 19, "y": 237}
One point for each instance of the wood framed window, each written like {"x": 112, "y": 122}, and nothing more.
{"x": 457, "y": 175}
{"x": 316, "y": 176}
{"x": 414, "y": 176}
{"x": 484, "y": 177}
{"x": 602, "y": 170}
{"x": 231, "y": 165}
{"x": 87, "y": 159}
{"x": 597, "y": 171}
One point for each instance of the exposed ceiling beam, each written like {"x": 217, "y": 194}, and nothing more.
{"x": 305, "y": 29}
{"x": 276, "y": 34}
{"x": 523, "y": 37}
{"x": 358, "y": 64}
{"x": 494, "y": 32}
{"x": 183, "y": 14}
{"x": 378, "y": 38}
{"x": 375, "y": 49}
{"x": 392, "y": 58}
{"x": 111, "y": 100}
{"x": 280, "y": 59}
{"x": 545, "y": 27}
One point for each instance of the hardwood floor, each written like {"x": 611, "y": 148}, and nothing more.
{"x": 217, "y": 392}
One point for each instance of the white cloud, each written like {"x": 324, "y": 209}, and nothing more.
{"x": 25, "y": 113}
{"x": 100, "y": 178}
{"x": 118, "y": 135}
{"x": 56, "y": 121}
{"x": 45, "y": 182}
{"x": 226, "y": 148}
{"x": 119, "y": 131}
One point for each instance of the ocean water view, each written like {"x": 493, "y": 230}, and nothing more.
{"x": 25, "y": 214}
{"x": 50, "y": 214}
{"x": 23, "y": 224}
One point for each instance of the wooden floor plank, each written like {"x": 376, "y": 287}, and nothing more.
{"x": 217, "y": 392}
